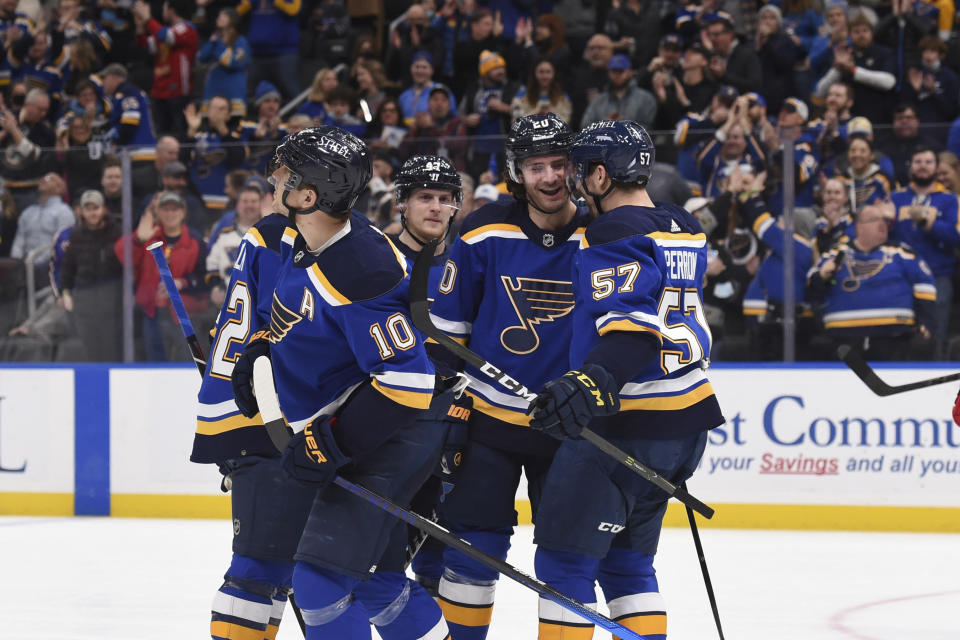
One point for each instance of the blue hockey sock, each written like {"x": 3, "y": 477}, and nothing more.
{"x": 629, "y": 583}
{"x": 574, "y": 575}
{"x": 327, "y": 604}
{"x": 243, "y": 608}
{"x": 467, "y": 587}
{"x": 400, "y": 608}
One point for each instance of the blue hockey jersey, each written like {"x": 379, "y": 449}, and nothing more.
{"x": 222, "y": 431}
{"x": 937, "y": 243}
{"x": 882, "y": 292}
{"x": 340, "y": 320}
{"x": 641, "y": 269}
{"x": 506, "y": 292}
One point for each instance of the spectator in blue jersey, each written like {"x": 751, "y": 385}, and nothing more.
{"x": 90, "y": 280}
{"x": 834, "y": 222}
{"x": 235, "y": 182}
{"x": 38, "y": 61}
{"x": 694, "y": 130}
{"x": 13, "y": 25}
{"x": 274, "y": 36}
{"x": 926, "y": 221}
{"x": 26, "y": 140}
{"x": 861, "y": 174}
{"x": 485, "y": 107}
{"x": 623, "y": 99}
{"x": 869, "y": 67}
{"x": 315, "y": 106}
{"x": 130, "y": 123}
{"x": 732, "y": 63}
{"x": 932, "y": 87}
{"x": 874, "y": 296}
{"x": 806, "y": 160}
{"x": 228, "y": 54}
{"x": 223, "y": 252}
{"x": 186, "y": 254}
{"x": 217, "y": 150}
{"x": 264, "y": 133}
{"x": 731, "y": 145}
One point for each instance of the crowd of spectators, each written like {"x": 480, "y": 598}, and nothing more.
{"x": 862, "y": 98}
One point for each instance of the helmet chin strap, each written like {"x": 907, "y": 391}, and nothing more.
{"x": 598, "y": 197}
{"x": 303, "y": 212}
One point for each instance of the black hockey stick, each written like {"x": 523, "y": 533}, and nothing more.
{"x": 703, "y": 567}
{"x": 420, "y": 314}
{"x": 865, "y": 372}
{"x": 187, "y": 328}
{"x": 270, "y": 410}
{"x": 156, "y": 249}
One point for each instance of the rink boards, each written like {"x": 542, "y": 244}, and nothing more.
{"x": 804, "y": 447}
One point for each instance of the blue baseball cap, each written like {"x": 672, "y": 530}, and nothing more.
{"x": 422, "y": 55}
{"x": 672, "y": 40}
{"x": 619, "y": 62}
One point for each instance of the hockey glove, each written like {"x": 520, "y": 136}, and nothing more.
{"x": 956, "y": 410}
{"x": 312, "y": 456}
{"x": 457, "y": 422}
{"x": 566, "y": 405}
{"x": 242, "y": 377}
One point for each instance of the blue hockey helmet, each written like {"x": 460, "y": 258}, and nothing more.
{"x": 535, "y": 135}
{"x": 331, "y": 161}
{"x": 623, "y": 147}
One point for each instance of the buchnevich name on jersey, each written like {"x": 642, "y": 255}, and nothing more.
{"x": 506, "y": 292}
{"x": 222, "y": 431}
{"x": 339, "y": 320}
{"x": 641, "y": 269}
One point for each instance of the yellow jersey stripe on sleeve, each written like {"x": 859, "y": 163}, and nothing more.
{"x": 415, "y": 399}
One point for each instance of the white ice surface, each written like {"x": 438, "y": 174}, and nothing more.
{"x": 111, "y": 578}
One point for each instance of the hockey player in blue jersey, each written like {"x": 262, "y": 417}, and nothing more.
{"x": 352, "y": 378}
{"x": 429, "y": 194}
{"x": 639, "y": 348}
{"x": 506, "y": 292}
{"x": 268, "y": 510}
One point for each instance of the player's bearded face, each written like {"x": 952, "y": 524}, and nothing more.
{"x": 544, "y": 182}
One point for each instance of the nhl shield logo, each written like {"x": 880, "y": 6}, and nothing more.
{"x": 236, "y": 526}
{"x": 298, "y": 257}
{"x": 548, "y": 240}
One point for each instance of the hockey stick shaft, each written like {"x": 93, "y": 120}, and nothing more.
{"x": 691, "y": 516}
{"x": 156, "y": 250}
{"x": 270, "y": 410}
{"x": 865, "y": 372}
{"x": 420, "y": 314}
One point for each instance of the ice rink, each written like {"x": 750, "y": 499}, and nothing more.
{"x": 73, "y": 578}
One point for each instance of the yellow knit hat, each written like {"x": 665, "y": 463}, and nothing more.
{"x": 490, "y": 60}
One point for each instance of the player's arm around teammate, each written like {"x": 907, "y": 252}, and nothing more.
{"x": 639, "y": 348}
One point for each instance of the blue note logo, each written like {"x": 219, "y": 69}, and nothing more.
{"x": 282, "y": 320}
{"x": 534, "y": 301}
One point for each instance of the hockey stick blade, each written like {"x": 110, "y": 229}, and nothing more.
{"x": 420, "y": 314}
{"x": 865, "y": 372}
{"x": 156, "y": 250}
{"x": 270, "y": 412}
{"x": 269, "y": 405}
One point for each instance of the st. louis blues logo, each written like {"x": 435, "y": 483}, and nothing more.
{"x": 534, "y": 301}
{"x": 281, "y": 320}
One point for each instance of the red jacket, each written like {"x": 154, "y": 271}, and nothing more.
{"x": 183, "y": 258}
{"x": 174, "y": 50}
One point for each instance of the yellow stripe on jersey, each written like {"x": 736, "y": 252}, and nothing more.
{"x": 667, "y": 403}
{"x": 550, "y": 630}
{"x": 491, "y": 228}
{"x": 466, "y": 615}
{"x": 627, "y": 325}
{"x": 289, "y": 235}
{"x": 646, "y": 624}
{"x": 921, "y": 295}
{"x": 688, "y": 237}
{"x": 583, "y": 242}
{"x": 868, "y": 322}
{"x": 271, "y": 631}
{"x": 396, "y": 252}
{"x": 221, "y": 629}
{"x": 415, "y": 399}
{"x": 506, "y": 415}
{"x": 322, "y": 281}
{"x": 257, "y": 239}
{"x": 214, "y": 427}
